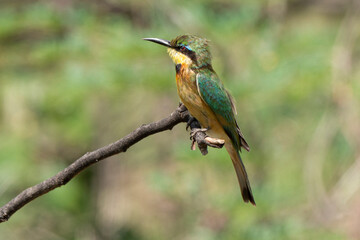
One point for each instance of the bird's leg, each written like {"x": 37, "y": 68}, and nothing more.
{"x": 192, "y": 123}
{"x": 198, "y": 134}
{"x": 182, "y": 107}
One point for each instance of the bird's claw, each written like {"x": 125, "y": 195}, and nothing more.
{"x": 196, "y": 130}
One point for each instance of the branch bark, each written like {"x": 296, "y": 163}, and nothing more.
{"x": 61, "y": 178}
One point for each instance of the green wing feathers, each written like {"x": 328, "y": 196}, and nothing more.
{"x": 219, "y": 100}
{"x": 214, "y": 94}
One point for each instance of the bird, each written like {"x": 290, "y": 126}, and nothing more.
{"x": 204, "y": 95}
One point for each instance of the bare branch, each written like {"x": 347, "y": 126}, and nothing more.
{"x": 61, "y": 178}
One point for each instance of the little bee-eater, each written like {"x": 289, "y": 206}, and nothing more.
{"x": 206, "y": 98}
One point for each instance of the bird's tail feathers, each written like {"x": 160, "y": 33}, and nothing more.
{"x": 241, "y": 175}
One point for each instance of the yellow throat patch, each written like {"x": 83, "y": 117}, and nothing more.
{"x": 178, "y": 57}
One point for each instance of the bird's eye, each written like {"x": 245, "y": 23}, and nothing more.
{"x": 182, "y": 48}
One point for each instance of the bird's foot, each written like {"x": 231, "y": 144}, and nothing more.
{"x": 196, "y": 130}
{"x": 198, "y": 135}
{"x": 190, "y": 123}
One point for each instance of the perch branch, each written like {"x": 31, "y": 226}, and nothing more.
{"x": 61, "y": 178}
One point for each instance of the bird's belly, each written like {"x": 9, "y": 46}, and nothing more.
{"x": 197, "y": 109}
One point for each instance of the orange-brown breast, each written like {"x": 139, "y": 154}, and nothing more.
{"x": 189, "y": 95}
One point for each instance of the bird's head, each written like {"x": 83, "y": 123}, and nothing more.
{"x": 187, "y": 49}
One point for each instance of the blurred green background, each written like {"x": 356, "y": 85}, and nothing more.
{"x": 76, "y": 75}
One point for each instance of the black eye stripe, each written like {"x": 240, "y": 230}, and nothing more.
{"x": 184, "y": 49}
{"x": 187, "y": 52}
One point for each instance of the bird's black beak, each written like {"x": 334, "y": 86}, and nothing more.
{"x": 163, "y": 42}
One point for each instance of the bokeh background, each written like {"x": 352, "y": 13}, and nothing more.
{"x": 76, "y": 75}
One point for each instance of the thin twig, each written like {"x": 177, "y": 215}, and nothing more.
{"x": 61, "y": 178}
